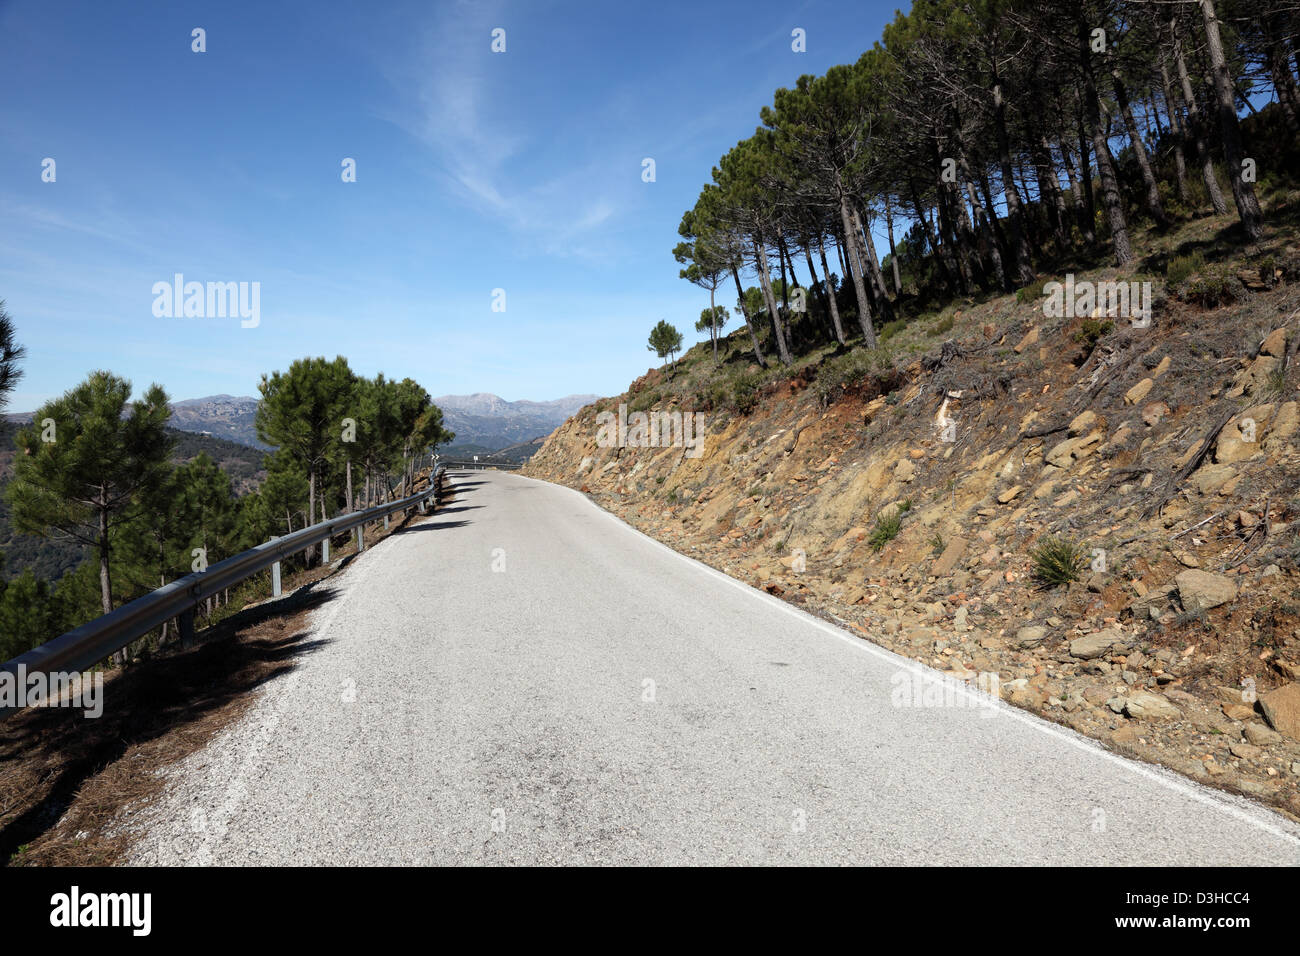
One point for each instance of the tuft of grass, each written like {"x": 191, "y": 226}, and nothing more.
{"x": 891, "y": 328}
{"x": 1058, "y": 561}
{"x": 1181, "y": 267}
{"x": 886, "y": 529}
{"x": 1031, "y": 292}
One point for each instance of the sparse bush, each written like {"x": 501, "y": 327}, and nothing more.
{"x": 1091, "y": 332}
{"x": 890, "y": 329}
{"x": 846, "y": 371}
{"x": 1032, "y": 292}
{"x": 744, "y": 392}
{"x": 1058, "y": 561}
{"x": 943, "y": 325}
{"x": 1214, "y": 289}
{"x": 1180, "y": 267}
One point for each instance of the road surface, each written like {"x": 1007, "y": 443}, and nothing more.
{"x": 524, "y": 679}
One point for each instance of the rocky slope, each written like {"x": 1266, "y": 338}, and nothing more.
{"x": 907, "y": 501}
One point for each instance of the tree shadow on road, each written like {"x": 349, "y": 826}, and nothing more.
{"x": 65, "y": 778}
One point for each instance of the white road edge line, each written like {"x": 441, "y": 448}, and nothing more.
{"x": 1167, "y": 778}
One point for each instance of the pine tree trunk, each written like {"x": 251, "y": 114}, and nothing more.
{"x": 1154, "y": 206}
{"x": 1020, "y": 266}
{"x": 749, "y": 323}
{"x": 1110, "y": 194}
{"x": 1180, "y": 134}
{"x": 982, "y": 217}
{"x": 1252, "y": 217}
{"x": 893, "y": 252}
{"x": 1196, "y": 125}
{"x": 855, "y": 270}
{"x": 765, "y": 283}
{"x": 830, "y": 294}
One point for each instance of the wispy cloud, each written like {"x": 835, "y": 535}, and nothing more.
{"x": 447, "y": 97}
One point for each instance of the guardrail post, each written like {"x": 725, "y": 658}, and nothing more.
{"x": 275, "y": 579}
{"x": 385, "y": 522}
{"x": 325, "y": 551}
{"x": 186, "y": 621}
{"x": 361, "y": 538}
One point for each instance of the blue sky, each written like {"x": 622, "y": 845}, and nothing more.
{"x": 475, "y": 171}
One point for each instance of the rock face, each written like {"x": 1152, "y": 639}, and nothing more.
{"x": 1201, "y": 590}
{"x": 948, "y": 560}
{"x": 1282, "y": 709}
{"x": 1149, "y": 706}
{"x": 1031, "y": 636}
{"x": 1091, "y": 646}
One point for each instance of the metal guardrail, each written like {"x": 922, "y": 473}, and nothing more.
{"x": 480, "y": 465}
{"x": 83, "y": 647}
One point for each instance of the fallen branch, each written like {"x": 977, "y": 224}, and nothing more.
{"x": 1192, "y": 464}
{"x": 1262, "y": 538}
{"x": 1217, "y": 514}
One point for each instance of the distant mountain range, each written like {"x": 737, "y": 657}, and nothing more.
{"x": 230, "y": 417}
{"x": 492, "y": 422}
{"x": 482, "y": 419}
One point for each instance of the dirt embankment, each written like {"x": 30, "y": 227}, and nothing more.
{"x": 911, "y": 503}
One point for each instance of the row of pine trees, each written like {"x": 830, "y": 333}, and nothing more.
{"x": 95, "y": 468}
{"x": 986, "y": 140}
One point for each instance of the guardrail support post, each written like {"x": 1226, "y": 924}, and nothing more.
{"x": 186, "y": 621}
{"x": 325, "y": 551}
{"x": 385, "y": 522}
{"x": 275, "y": 579}
{"x": 361, "y": 538}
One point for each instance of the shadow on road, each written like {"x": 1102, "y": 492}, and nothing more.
{"x": 155, "y": 712}
{"x": 432, "y": 526}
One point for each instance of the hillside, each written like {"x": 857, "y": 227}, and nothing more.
{"x": 912, "y": 493}
{"x": 222, "y": 416}
{"x": 50, "y": 559}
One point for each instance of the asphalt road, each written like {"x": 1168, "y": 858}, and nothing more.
{"x": 523, "y": 679}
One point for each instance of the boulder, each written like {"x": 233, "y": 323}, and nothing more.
{"x": 1138, "y": 391}
{"x": 1203, "y": 590}
{"x": 1091, "y": 646}
{"x": 1031, "y": 636}
{"x": 948, "y": 560}
{"x": 1147, "y": 706}
{"x": 1282, "y": 709}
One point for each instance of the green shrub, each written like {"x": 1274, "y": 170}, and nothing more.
{"x": 1032, "y": 292}
{"x": 886, "y": 529}
{"x": 1091, "y": 332}
{"x": 744, "y": 392}
{"x": 1180, "y": 267}
{"x": 1058, "y": 561}
{"x": 890, "y": 329}
{"x": 1214, "y": 289}
{"x": 846, "y": 371}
